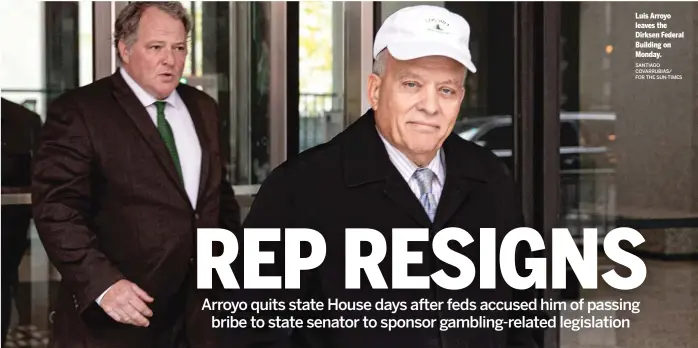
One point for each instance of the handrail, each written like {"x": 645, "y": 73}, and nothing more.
{"x": 16, "y": 199}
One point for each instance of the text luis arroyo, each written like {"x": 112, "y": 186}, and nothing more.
{"x": 564, "y": 251}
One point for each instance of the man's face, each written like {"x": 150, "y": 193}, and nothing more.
{"x": 156, "y": 59}
{"x": 416, "y": 103}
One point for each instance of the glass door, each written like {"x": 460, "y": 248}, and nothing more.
{"x": 333, "y": 64}
{"x": 52, "y": 55}
{"x": 238, "y": 55}
{"x": 628, "y": 115}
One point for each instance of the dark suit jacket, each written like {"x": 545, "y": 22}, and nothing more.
{"x": 350, "y": 182}
{"x": 108, "y": 205}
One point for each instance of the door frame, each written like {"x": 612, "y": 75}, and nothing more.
{"x": 537, "y": 127}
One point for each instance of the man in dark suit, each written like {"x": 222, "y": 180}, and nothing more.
{"x": 20, "y": 129}
{"x": 127, "y": 170}
{"x": 398, "y": 166}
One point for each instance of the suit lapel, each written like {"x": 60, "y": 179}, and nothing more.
{"x": 140, "y": 117}
{"x": 197, "y": 118}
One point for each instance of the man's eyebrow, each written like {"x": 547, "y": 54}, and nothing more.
{"x": 450, "y": 82}
{"x": 160, "y": 42}
{"x": 406, "y": 74}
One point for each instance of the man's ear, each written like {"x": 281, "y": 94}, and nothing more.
{"x": 374, "y": 84}
{"x": 123, "y": 52}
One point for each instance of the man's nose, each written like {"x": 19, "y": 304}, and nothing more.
{"x": 430, "y": 102}
{"x": 168, "y": 58}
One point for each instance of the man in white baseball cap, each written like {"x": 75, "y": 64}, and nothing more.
{"x": 385, "y": 171}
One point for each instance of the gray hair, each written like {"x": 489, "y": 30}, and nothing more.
{"x": 126, "y": 25}
{"x": 381, "y": 61}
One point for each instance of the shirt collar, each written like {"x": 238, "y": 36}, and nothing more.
{"x": 407, "y": 168}
{"x": 144, "y": 97}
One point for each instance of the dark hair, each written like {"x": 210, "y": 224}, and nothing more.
{"x": 126, "y": 25}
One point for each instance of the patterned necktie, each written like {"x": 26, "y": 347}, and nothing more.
{"x": 424, "y": 176}
{"x": 167, "y": 135}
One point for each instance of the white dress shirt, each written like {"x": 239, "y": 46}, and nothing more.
{"x": 407, "y": 168}
{"x": 186, "y": 139}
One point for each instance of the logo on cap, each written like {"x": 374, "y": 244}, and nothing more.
{"x": 437, "y": 25}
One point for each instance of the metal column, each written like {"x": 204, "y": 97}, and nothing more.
{"x": 358, "y": 58}
{"x": 278, "y": 84}
{"x": 104, "y": 53}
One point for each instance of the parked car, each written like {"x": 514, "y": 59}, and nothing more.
{"x": 586, "y": 139}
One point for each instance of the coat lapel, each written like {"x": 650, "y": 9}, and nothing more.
{"x": 462, "y": 177}
{"x": 197, "y": 118}
{"x": 140, "y": 117}
{"x": 399, "y": 192}
{"x": 366, "y": 160}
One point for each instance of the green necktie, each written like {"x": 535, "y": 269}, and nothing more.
{"x": 167, "y": 136}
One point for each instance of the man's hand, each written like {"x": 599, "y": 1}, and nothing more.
{"x": 125, "y": 303}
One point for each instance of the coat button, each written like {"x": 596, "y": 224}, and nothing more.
{"x": 191, "y": 261}
{"x": 196, "y": 216}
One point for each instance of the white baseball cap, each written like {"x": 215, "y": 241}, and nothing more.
{"x": 424, "y": 30}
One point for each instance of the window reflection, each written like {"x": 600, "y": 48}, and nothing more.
{"x": 634, "y": 165}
